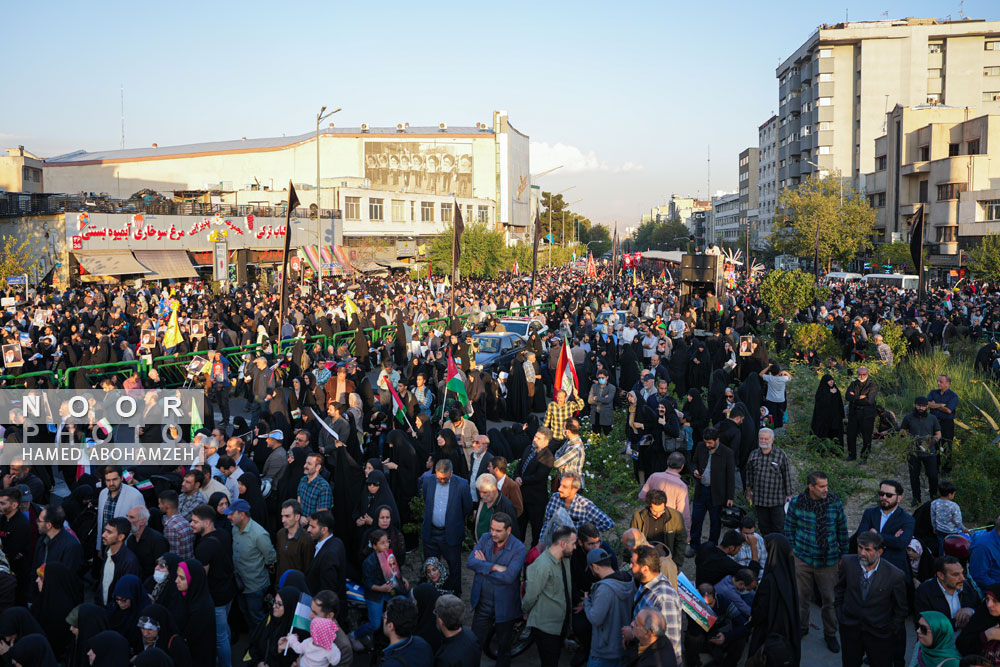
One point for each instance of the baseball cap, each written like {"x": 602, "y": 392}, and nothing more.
{"x": 599, "y": 556}
{"x": 237, "y": 506}
{"x": 277, "y": 435}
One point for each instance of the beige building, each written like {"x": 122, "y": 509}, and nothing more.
{"x": 396, "y": 175}
{"x": 767, "y": 191}
{"x": 20, "y": 171}
{"x": 835, "y": 90}
{"x": 938, "y": 158}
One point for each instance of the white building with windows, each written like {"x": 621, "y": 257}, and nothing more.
{"x": 725, "y": 221}
{"x": 767, "y": 184}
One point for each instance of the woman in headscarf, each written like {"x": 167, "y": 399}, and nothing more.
{"x": 219, "y": 502}
{"x": 518, "y": 402}
{"x": 17, "y": 623}
{"x": 263, "y": 646}
{"x": 981, "y": 635}
{"x": 85, "y": 621}
{"x": 376, "y": 494}
{"x": 640, "y": 423}
{"x": 935, "y": 642}
{"x": 774, "y": 617}
{"x": 130, "y": 600}
{"x": 108, "y": 649}
{"x": 750, "y": 393}
{"x": 348, "y": 486}
{"x": 60, "y": 590}
{"x": 448, "y": 448}
{"x": 629, "y": 369}
{"x": 385, "y": 520}
{"x": 717, "y": 394}
{"x": 32, "y": 651}
{"x": 425, "y": 594}
{"x": 288, "y": 485}
{"x": 249, "y": 485}
{"x": 159, "y": 633}
{"x": 828, "y": 411}
{"x": 198, "y": 623}
{"x": 696, "y": 414}
{"x": 299, "y": 397}
{"x": 403, "y": 471}
{"x": 700, "y": 366}
{"x": 154, "y": 657}
{"x": 680, "y": 360}
{"x": 162, "y": 587}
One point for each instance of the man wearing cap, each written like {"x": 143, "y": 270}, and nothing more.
{"x": 253, "y": 554}
{"x": 925, "y": 430}
{"x": 608, "y": 607}
{"x": 277, "y": 460}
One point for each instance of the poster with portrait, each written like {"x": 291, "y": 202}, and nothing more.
{"x": 39, "y": 318}
{"x": 12, "y": 357}
{"x": 746, "y": 346}
{"x": 198, "y": 366}
{"x": 420, "y": 167}
{"x": 147, "y": 338}
{"x": 198, "y": 328}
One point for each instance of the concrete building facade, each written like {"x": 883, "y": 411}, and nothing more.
{"x": 834, "y": 91}
{"x": 748, "y": 175}
{"x": 20, "y": 171}
{"x": 943, "y": 160}
{"x": 725, "y": 219}
{"x": 767, "y": 190}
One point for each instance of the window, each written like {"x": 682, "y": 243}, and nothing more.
{"x": 446, "y": 212}
{"x": 933, "y": 98}
{"x": 352, "y": 208}
{"x": 823, "y": 150}
{"x": 922, "y": 192}
{"x": 935, "y": 47}
{"x": 877, "y": 200}
{"x": 824, "y": 102}
{"x": 974, "y": 147}
{"x": 934, "y": 73}
{"x": 825, "y": 77}
{"x": 953, "y": 149}
{"x": 398, "y": 210}
{"x": 468, "y": 212}
{"x": 880, "y": 163}
{"x": 825, "y": 126}
{"x": 991, "y": 71}
{"x": 375, "y": 209}
{"x": 484, "y": 214}
{"x": 924, "y": 153}
{"x": 992, "y": 209}
{"x": 947, "y": 234}
{"x": 950, "y": 190}
{"x": 426, "y": 211}
{"x": 993, "y": 46}
{"x": 991, "y": 96}
{"x": 825, "y": 53}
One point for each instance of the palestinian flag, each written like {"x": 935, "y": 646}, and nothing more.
{"x": 718, "y": 307}
{"x": 398, "y": 410}
{"x": 566, "y": 372}
{"x": 663, "y": 275}
{"x": 301, "y": 618}
{"x": 454, "y": 383}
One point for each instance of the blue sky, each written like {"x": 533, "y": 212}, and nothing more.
{"x": 627, "y": 95}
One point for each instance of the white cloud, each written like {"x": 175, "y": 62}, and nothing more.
{"x": 545, "y": 156}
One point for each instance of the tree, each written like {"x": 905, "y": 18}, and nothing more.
{"x": 845, "y": 229}
{"x": 597, "y": 238}
{"x": 898, "y": 255}
{"x": 662, "y": 235}
{"x": 787, "y": 292}
{"x": 984, "y": 259}
{"x": 484, "y": 253}
{"x": 17, "y": 258}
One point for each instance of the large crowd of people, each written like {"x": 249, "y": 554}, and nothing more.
{"x": 387, "y": 499}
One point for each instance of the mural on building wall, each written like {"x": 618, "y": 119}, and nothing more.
{"x": 422, "y": 168}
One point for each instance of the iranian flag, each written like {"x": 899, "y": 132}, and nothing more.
{"x": 566, "y": 372}
{"x": 398, "y": 410}
{"x": 453, "y": 382}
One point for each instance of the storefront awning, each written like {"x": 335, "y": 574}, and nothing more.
{"x": 109, "y": 262}
{"x": 163, "y": 264}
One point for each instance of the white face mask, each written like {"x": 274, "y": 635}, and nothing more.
{"x": 159, "y": 576}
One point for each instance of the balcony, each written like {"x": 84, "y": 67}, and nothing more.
{"x": 794, "y": 169}
{"x": 795, "y": 105}
{"x": 913, "y": 168}
{"x": 794, "y": 147}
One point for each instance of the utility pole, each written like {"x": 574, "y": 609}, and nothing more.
{"x": 320, "y": 117}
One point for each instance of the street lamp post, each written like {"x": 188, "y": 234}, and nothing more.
{"x": 320, "y": 117}
{"x": 563, "y": 212}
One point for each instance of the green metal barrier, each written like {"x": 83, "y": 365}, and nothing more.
{"x": 172, "y": 369}
{"x": 343, "y": 338}
{"x": 18, "y": 381}
{"x": 97, "y": 372}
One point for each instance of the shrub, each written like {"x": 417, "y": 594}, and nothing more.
{"x": 815, "y": 337}
{"x": 892, "y": 335}
{"x": 788, "y": 292}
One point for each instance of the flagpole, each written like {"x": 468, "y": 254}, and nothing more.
{"x": 293, "y": 201}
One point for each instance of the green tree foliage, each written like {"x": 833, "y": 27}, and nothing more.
{"x": 897, "y": 254}
{"x": 845, "y": 229}
{"x": 559, "y": 256}
{"x": 985, "y": 259}
{"x": 484, "y": 253}
{"x": 563, "y": 220}
{"x": 597, "y": 238}
{"x": 668, "y": 235}
{"x": 788, "y": 292}
{"x": 815, "y": 337}
{"x": 16, "y": 258}
{"x": 892, "y": 335}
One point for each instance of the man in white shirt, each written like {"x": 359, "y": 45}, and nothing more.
{"x": 649, "y": 342}
{"x": 629, "y": 333}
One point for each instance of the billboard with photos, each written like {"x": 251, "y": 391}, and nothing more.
{"x": 420, "y": 167}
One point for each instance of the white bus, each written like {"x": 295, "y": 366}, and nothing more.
{"x": 844, "y": 277}
{"x": 893, "y": 280}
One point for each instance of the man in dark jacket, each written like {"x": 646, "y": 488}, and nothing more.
{"x": 118, "y": 560}
{"x": 948, "y": 584}
{"x": 860, "y": 414}
{"x": 329, "y": 564}
{"x": 715, "y": 563}
{"x": 892, "y": 522}
{"x": 608, "y": 606}
{"x": 460, "y": 647}
{"x": 55, "y": 543}
{"x": 399, "y": 623}
{"x": 659, "y": 523}
{"x": 146, "y": 543}
{"x": 715, "y": 475}
{"x": 533, "y": 478}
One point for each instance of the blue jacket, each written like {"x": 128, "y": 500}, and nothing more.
{"x": 984, "y": 565}
{"x": 459, "y": 507}
{"x": 507, "y": 584}
{"x": 410, "y": 652}
{"x": 895, "y": 547}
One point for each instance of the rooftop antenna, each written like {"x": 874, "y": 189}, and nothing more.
{"x": 961, "y": 9}
{"x": 708, "y": 174}
{"x": 123, "y": 115}
{"x": 846, "y": 19}
{"x": 884, "y": 119}
{"x": 885, "y": 15}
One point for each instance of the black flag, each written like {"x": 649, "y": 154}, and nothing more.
{"x": 917, "y": 248}
{"x": 614, "y": 254}
{"x": 456, "y": 254}
{"x": 534, "y": 253}
{"x": 293, "y": 201}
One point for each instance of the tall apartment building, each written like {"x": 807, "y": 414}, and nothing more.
{"x": 835, "y": 90}
{"x": 946, "y": 161}
{"x": 724, "y": 226}
{"x": 748, "y": 189}
{"x": 767, "y": 191}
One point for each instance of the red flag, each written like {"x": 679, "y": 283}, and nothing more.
{"x": 515, "y": 268}
{"x": 591, "y": 267}
{"x": 566, "y": 372}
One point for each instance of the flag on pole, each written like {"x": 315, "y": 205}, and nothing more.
{"x": 917, "y": 249}
{"x": 534, "y": 253}
{"x": 293, "y": 201}
{"x": 454, "y": 383}
{"x": 173, "y": 337}
{"x": 591, "y": 267}
{"x": 663, "y": 275}
{"x": 516, "y": 273}
{"x": 566, "y": 372}
{"x": 398, "y": 410}
{"x": 350, "y": 308}
{"x": 302, "y": 616}
{"x": 456, "y": 254}
{"x": 614, "y": 253}
{"x": 196, "y": 421}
